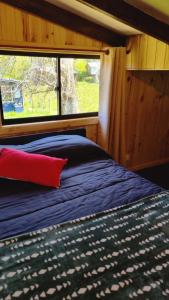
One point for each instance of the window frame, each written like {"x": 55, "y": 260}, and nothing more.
{"x": 59, "y": 56}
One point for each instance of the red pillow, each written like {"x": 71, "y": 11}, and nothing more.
{"x": 36, "y": 168}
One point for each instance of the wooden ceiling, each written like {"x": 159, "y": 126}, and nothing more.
{"x": 132, "y": 16}
{"x": 96, "y": 16}
{"x": 155, "y": 8}
{"x": 102, "y": 22}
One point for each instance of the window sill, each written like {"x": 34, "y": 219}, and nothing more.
{"x": 11, "y": 130}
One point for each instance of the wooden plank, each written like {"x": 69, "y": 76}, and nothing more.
{"x": 147, "y": 100}
{"x": 135, "y": 54}
{"x": 6, "y": 29}
{"x": 69, "y": 20}
{"x": 18, "y": 25}
{"x": 160, "y": 55}
{"x": 35, "y": 29}
{"x": 151, "y": 53}
{"x": 166, "y": 60}
{"x": 91, "y": 132}
{"x": 147, "y": 53}
{"x": 128, "y": 53}
{"x": 143, "y": 52}
{"x": 49, "y": 36}
{"x": 21, "y": 129}
{"x": 135, "y": 95}
{"x": 45, "y": 36}
{"x": 133, "y": 17}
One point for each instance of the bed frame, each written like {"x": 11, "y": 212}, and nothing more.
{"x": 23, "y": 139}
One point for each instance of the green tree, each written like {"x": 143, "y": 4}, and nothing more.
{"x": 80, "y": 67}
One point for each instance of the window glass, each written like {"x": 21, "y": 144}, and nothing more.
{"x": 28, "y": 86}
{"x": 35, "y": 86}
{"x": 80, "y": 85}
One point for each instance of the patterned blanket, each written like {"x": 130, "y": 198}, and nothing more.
{"x": 122, "y": 253}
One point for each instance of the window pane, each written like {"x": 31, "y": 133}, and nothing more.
{"x": 80, "y": 85}
{"x": 28, "y": 86}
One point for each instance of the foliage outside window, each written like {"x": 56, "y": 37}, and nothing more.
{"x": 37, "y": 87}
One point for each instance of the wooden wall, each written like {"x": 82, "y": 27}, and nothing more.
{"x": 147, "y": 118}
{"x": 147, "y": 53}
{"x": 147, "y": 102}
{"x": 21, "y": 30}
{"x": 18, "y": 28}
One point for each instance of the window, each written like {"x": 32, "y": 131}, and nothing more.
{"x": 37, "y": 87}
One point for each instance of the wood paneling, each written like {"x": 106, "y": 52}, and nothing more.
{"x": 147, "y": 53}
{"x": 90, "y": 124}
{"x": 70, "y": 20}
{"x": 21, "y": 29}
{"x": 147, "y": 115}
{"x": 147, "y": 102}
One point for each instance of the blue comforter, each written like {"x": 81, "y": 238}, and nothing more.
{"x": 90, "y": 183}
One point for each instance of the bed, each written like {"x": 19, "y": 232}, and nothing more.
{"x": 91, "y": 182}
{"x": 34, "y": 218}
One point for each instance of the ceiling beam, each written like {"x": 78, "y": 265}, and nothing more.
{"x": 132, "y": 16}
{"x": 69, "y": 20}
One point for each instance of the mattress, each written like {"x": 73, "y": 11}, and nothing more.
{"x": 90, "y": 183}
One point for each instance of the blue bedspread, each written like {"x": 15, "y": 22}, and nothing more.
{"x": 90, "y": 183}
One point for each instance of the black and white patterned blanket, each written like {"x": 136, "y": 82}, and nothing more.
{"x": 122, "y": 253}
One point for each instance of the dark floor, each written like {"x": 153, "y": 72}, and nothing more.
{"x": 158, "y": 175}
